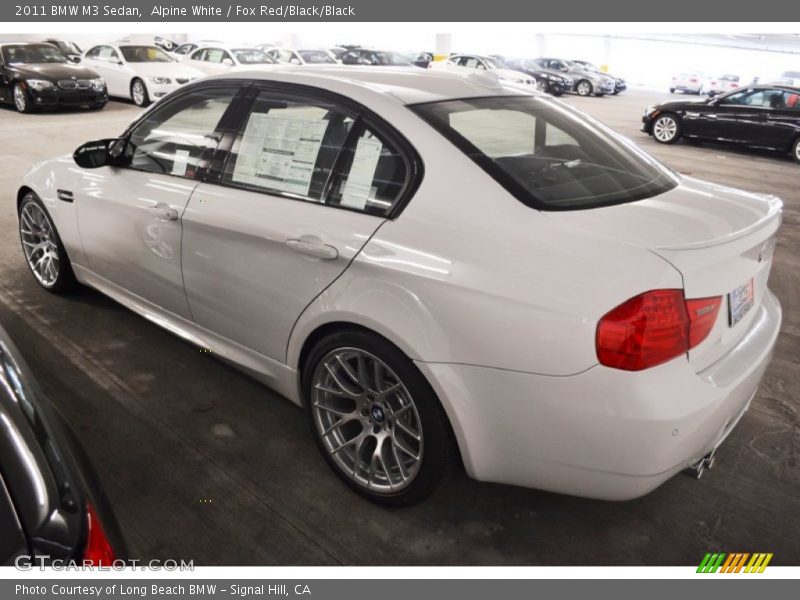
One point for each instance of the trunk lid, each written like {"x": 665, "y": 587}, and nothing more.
{"x": 718, "y": 238}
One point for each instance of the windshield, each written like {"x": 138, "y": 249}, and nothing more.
{"x": 548, "y": 155}
{"x": 142, "y": 54}
{"x": 32, "y": 54}
{"x": 251, "y": 56}
{"x": 493, "y": 64}
{"x": 317, "y": 57}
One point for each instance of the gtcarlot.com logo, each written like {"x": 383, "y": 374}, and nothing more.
{"x": 735, "y": 562}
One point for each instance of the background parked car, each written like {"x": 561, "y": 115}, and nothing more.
{"x": 34, "y": 76}
{"x": 548, "y": 81}
{"x": 585, "y": 83}
{"x": 186, "y": 48}
{"x": 722, "y": 84}
{"x": 307, "y": 56}
{"x": 67, "y": 48}
{"x": 484, "y": 63}
{"x": 757, "y": 117}
{"x": 619, "y": 83}
{"x": 213, "y": 60}
{"x": 51, "y": 501}
{"x": 791, "y": 78}
{"x": 420, "y": 59}
{"x": 692, "y": 82}
{"x": 372, "y": 58}
{"x": 141, "y": 73}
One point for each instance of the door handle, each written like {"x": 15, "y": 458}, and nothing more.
{"x": 164, "y": 212}
{"x": 313, "y": 247}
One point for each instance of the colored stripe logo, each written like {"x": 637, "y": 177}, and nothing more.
{"x": 735, "y": 562}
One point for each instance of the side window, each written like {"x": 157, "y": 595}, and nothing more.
{"x": 173, "y": 139}
{"x": 214, "y": 55}
{"x": 288, "y": 145}
{"x": 199, "y": 55}
{"x": 792, "y": 100}
{"x": 371, "y": 175}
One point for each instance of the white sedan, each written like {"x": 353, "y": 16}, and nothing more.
{"x": 303, "y": 56}
{"x": 217, "y": 59}
{"x": 436, "y": 266}
{"x": 472, "y": 62}
{"x": 141, "y": 73}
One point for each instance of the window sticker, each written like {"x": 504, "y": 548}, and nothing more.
{"x": 358, "y": 188}
{"x": 180, "y": 163}
{"x": 279, "y": 152}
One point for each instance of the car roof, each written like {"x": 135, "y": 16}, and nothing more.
{"x": 410, "y": 86}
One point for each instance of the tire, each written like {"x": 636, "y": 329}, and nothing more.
{"x": 44, "y": 252}
{"x": 615, "y": 92}
{"x": 667, "y": 128}
{"x": 599, "y": 95}
{"x": 542, "y": 86}
{"x": 584, "y": 88}
{"x": 671, "y": 90}
{"x": 139, "y": 93}
{"x": 21, "y": 101}
{"x": 347, "y": 418}
{"x": 796, "y": 150}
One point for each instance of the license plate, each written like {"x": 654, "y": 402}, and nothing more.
{"x": 740, "y": 301}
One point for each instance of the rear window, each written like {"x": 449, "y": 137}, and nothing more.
{"x": 550, "y": 156}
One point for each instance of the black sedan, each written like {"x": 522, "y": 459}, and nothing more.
{"x": 547, "y": 80}
{"x": 34, "y": 76}
{"x": 763, "y": 116}
{"x": 52, "y": 509}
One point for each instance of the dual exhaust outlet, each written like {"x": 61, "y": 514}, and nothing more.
{"x": 697, "y": 469}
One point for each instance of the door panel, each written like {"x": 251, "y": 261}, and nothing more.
{"x": 129, "y": 235}
{"x": 252, "y": 262}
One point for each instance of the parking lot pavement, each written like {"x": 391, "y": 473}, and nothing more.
{"x": 200, "y": 462}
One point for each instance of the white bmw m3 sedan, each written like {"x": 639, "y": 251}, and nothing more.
{"x": 441, "y": 268}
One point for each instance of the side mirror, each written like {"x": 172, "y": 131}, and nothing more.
{"x": 74, "y": 58}
{"x": 227, "y": 62}
{"x": 99, "y": 153}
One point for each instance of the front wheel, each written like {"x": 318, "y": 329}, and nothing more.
{"x": 44, "y": 252}
{"x": 375, "y": 418}
{"x": 584, "y": 88}
{"x": 139, "y": 93}
{"x": 541, "y": 85}
{"x": 667, "y": 128}
{"x": 796, "y": 150}
{"x": 21, "y": 102}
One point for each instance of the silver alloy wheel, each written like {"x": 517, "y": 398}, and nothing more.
{"x": 367, "y": 420}
{"x": 665, "y": 129}
{"x": 39, "y": 244}
{"x": 541, "y": 85}
{"x": 797, "y": 151}
{"x": 20, "y": 100}
{"x": 138, "y": 92}
{"x": 584, "y": 88}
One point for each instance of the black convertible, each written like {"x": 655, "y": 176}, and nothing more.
{"x": 36, "y": 76}
{"x": 761, "y": 116}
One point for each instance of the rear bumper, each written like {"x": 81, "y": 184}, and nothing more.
{"x": 603, "y": 433}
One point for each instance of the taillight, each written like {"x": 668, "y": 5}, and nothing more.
{"x": 734, "y": 85}
{"x": 693, "y": 80}
{"x": 702, "y": 316}
{"x": 98, "y": 551}
{"x": 652, "y": 328}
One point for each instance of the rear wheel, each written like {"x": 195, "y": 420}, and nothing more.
{"x": 584, "y": 88}
{"x": 796, "y": 150}
{"x": 375, "y": 418}
{"x": 671, "y": 90}
{"x": 44, "y": 252}
{"x": 139, "y": 93}
{"x": 667, "y": 128}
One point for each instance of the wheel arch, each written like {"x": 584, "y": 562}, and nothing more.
{"x": 21, "y": 193}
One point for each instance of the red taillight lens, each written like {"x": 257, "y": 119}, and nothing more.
{"x": 645, "y": 331}
{"x": 702, "y": 316}
{"x": 734, "y": 85}
{"x": 693, "y": 80}
{"x": 98, "y": 551}
{"x": 654, "y": 327}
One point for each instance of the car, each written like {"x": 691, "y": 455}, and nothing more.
{"x": 762, "y": 116}
{"x": 308, "y": 56}
{"x": 722, "y": 84}
{"x": 692, "y": 82}
{"x": 420, "y": 59}
{"x": 473, "y": 62}
{"x": 440, "y": 267}
{"x": 619, "y": 83}
{"x": 138, "y": 72}
{"x": 585, "y": 82}
{"x": 69, "y": 49}
{"x": 53, "y": 507}
{"x": 790, "y": 78}
{"x": 216, "y": 59}
{"x": 186, "y": 48}
{"x": 35, "y": 76}
{"x": 548, "y": 81}
{"x": 356, "y": 55}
